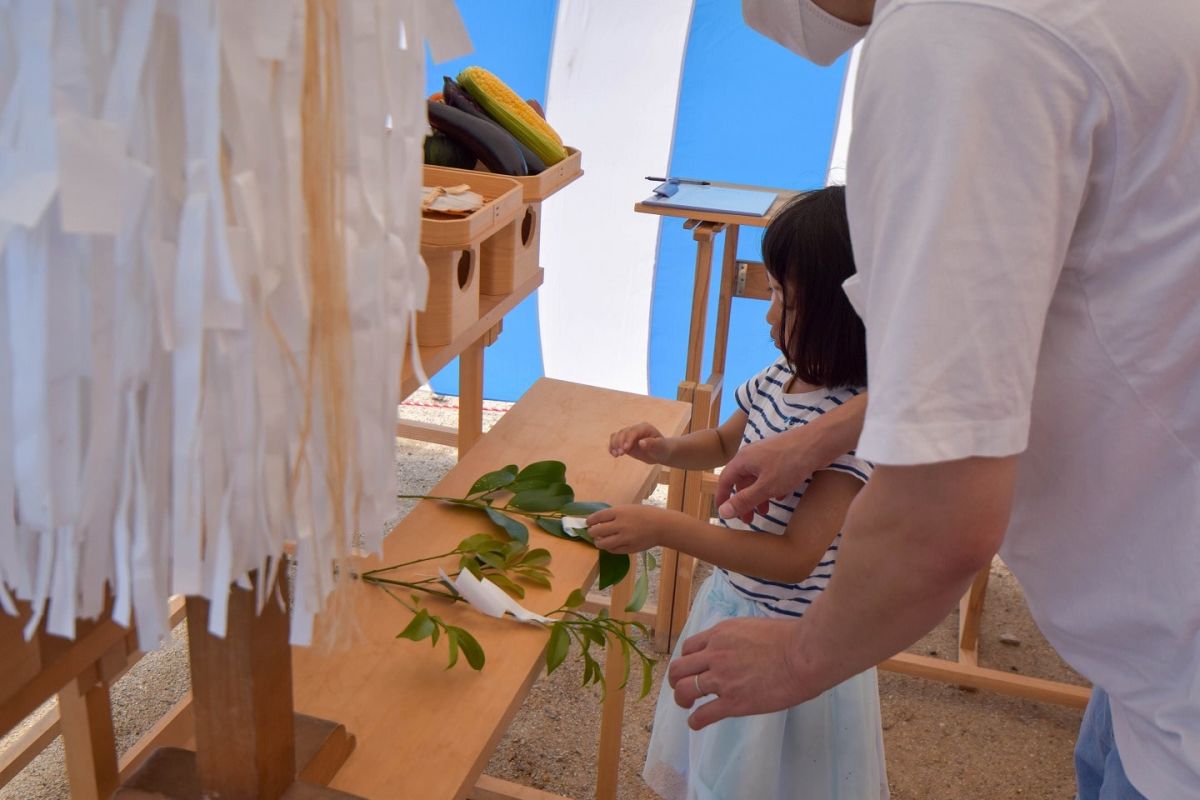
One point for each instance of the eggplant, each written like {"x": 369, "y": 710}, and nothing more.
{"x": 490, "y": 143}
{"x": 456, "y": 97}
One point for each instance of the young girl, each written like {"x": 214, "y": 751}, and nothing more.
{"x": 831, "y": 746}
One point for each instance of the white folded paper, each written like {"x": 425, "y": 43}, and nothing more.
{"x": 488, "y": 598}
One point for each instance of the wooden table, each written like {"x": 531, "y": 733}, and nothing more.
{"x": 427, "y": 732}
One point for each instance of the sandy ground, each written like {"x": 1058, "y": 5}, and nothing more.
{"x": 942, "y": 742}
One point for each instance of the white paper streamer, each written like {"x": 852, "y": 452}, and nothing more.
{"x": 155, "y": 308}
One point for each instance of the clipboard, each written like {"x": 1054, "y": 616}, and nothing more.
{"x": 707, "y": 197}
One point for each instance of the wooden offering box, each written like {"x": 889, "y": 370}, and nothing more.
{"x": 451, "y": 246}
{"x": 510, "y": 257}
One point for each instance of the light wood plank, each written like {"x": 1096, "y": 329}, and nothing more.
{"x": 427, "y": 432}
{"x": 992, "y": 679}
{"x": 489, "y": 788}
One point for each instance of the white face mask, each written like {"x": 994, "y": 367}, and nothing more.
{"x": 803, "y": 28}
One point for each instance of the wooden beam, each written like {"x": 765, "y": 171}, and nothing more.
{"x": 470, "y": 399}
{"x": 970, "y": 610}
{"x": 245, "y": 744}
{"x": 991, "y": 679}
{"x": 427, "y": 432}
{"x": 612, "y": 710}
{"x": 176, "y": 728}
{"x": 89, "y": 744}
{"x": 596, "y": 602}
{"x": 27, "y": 745}
{"x": 489, "y": 788}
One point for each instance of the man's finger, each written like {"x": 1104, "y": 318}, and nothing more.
{"x": 695, "y": 643}
{"x": 707, "y": 714}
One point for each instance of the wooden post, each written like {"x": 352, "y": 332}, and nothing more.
{"x": 470, "y": 400}
{"x": 89, "y": 745}
{"x": 970, "y": 609}
{"x": 613, "y": 711}
{"x": 242, "y": 684}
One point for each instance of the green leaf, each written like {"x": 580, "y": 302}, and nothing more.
{"x": 470, "y": 648}
{"x": 556, "y": 650}
{"x": 536, "y": 578}
{"x": 492, "y": 560}
{"x": 553, "y": 527}
{"x": 648, "y": 560}
{"x": 625, "y": 655}
{"x": 452, "y": 643}
{"x": 545, "y": 471}
{"x": 589, "y": 668}
{"x": 512, "y": 527}
{"x": 418, "y": 628}
{"x": 613, "y": 568}
{"x": 641, "y": 589}
{"x": 582, "y": 509}
{"x": 594, "y": 634}
{"x": 471, "y": 565}
{"x": 494, "y": 480}
{"x": 507, "y": 584}
{"x": 480, "y": 542}
{"x": 514, "y": 550}
{"x": 538, "y": 557}
{"x": 436, "y": 633}
{"x": 574, "y": 599}
{"x": 647, "y": 677}
{"x": 548, "y": 499}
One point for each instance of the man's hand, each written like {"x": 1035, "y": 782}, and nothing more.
{"x": 772, "y": 467}
{"x": 746, "y": 663}
{"x": 642, "y": 441}
{"x": 630, "y": 528}
{"x": 775, "y": 466}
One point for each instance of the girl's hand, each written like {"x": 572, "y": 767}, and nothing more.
{"x": 642, "y": 441}
{"x": 628, "y": 529}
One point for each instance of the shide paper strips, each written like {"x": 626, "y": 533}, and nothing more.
{"x": 168, "y": 417}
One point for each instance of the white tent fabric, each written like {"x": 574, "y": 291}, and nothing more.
{"x": 615, "y": 68}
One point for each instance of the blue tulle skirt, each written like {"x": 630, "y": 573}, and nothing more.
{"x": 830, "y": 748}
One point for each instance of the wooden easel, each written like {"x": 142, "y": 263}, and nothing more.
{"x": 747, "y": 279}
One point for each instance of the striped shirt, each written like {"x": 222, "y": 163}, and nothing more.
{"x": 769, "y": 410}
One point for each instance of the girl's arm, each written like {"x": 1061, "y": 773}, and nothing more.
{"x": 774, "y": 466}
{"x": 790, "y": 557}
{"x": 704, "y": 449}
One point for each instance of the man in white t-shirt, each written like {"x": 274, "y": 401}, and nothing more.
{"x": 1024, "y": 198}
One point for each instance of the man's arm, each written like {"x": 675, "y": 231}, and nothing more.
{"x": 913, "y": 539}
{"x": 775, "y": 466}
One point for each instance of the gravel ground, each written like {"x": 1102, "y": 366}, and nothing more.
{"x": 942, "y": 742}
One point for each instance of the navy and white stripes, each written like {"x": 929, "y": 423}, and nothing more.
{"x": 770, "y": 411}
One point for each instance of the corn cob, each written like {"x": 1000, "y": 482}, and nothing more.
{"x": 513, "y": 113}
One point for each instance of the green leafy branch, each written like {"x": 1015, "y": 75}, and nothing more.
{"x": 503, "y": 563}
{"x": 539, "y": 492}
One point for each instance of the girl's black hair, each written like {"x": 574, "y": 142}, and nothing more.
{"x": 806, "y": 249}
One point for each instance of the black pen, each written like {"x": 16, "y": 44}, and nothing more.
{"x": 678, "y": 180}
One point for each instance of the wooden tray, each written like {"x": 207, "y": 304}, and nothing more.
{"x": 539, "y": 187}
{"x": 502, "y": 197}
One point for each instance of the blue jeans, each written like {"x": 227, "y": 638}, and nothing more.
{"x": 1098, "y": 770}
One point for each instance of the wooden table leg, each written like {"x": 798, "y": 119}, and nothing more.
{"x": 613, "y": 712}
{"x": 470, "y": 396}
{"x": 970, "y": 609}
{"x": 89, "y": 745}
